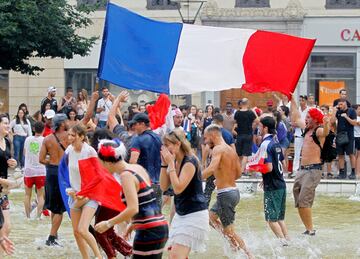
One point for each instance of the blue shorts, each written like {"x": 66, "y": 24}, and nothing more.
{"x": 90, "y": 203}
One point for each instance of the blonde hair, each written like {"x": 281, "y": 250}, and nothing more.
{"x": 176, "y": 136}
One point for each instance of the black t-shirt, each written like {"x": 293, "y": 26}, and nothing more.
{"x": 4, "y": 156}
{"x": 343, "y": 124}
{"x": 53, "y": 104}
{"x": 192, "y": 199}
{"x": 244, "y": 120}
{"x": 336, "y": 101}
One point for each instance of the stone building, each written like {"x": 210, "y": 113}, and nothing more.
{"x": 335, "y": 58}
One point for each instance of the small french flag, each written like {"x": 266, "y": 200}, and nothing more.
{"x": 173, "y": 58}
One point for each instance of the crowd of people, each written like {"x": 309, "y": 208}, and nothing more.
{"x": 212, "y": 146}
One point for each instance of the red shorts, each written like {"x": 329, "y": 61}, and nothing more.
{"x": 39, "y": 181}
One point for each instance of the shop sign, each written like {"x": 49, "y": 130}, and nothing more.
{"x": 350, "y": 34}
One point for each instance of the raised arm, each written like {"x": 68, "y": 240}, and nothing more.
{"x": 90, "y": 111}
{"x": 295, "y": 115}
{"x": 112, "y": 121}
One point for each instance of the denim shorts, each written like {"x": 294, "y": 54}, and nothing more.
{"x": 91, "y": 203}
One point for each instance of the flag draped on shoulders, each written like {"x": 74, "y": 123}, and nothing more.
{"x": 64, "y": 180}
{"x": 99, "y": 185}
{"x": 257, "y": 161}
{"x": 96, "y": 183}
{"x": 173, "y": 58}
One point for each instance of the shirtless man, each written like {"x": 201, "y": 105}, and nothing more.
{"x": 309, "y": 175}
{"x": 226, "y": 168}
{"x": 51, "y": 153}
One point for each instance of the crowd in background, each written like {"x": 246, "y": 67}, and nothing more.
{"x": 241, "y": 127}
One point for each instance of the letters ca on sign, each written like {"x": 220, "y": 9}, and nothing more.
{"x": 350, "y": 34}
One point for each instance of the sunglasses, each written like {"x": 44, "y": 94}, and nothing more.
{"x": 176, "y": 136}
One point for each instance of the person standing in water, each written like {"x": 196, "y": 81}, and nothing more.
{"x": 273, "y": 180}
{"x": 309, "y": 176}
{"x": 51, "y": 152}
{"x": 181, "y": 169}
{"x": 226, "y": 168}
{"x": 142, "y": 208}
{"x": 82, "y": 210}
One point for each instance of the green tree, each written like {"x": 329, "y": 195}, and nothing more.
{"x": 41, "y": 28}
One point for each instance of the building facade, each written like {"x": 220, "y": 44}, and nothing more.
{"x": 335, "y": 58}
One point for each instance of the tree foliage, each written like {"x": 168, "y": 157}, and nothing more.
{"x": 41, "y": 28}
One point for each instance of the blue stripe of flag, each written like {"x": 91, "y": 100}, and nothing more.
{"x": 137, "y": 53}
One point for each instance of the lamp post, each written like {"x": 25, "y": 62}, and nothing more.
{"x": 184, "y": 7}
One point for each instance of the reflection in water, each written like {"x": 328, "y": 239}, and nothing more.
{"x": 336, "y": 218}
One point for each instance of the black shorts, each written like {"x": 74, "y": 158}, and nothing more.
{"x": 357, "y": 143}
{"x": 244, "y": 145}
{"x": 53, "y": 199}
{"x": 348, "y": 148}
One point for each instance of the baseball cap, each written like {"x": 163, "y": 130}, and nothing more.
{"x": 51, "y": 89}
{"x": 139, "y": 117}
{"x": 270, "y": 103}
{"x": 58, "y": 119}
{"x": 49, "y": 114}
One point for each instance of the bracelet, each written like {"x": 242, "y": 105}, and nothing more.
{"x": 164, "y": 166}
{"x": 108, "y": 224}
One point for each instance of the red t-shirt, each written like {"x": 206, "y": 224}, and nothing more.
{"x": 47, "y": 131}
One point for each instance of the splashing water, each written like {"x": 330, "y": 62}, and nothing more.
{"x": 356, "y": 196}
{"x": 336, "y": 220}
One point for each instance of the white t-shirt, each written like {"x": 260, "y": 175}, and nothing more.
{"x": 21, "y": 129}
{"x": 74, "y": 174}
{"x": 32, "y": 148}
{"x": 357, "y": 129}
{"x": 103, "y": 116}
{"x": 298, "y": 131}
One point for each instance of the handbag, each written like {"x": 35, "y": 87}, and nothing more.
{"x": 342, "y": 138}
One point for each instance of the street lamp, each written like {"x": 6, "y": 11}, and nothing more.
{"x": 188, "y": 10}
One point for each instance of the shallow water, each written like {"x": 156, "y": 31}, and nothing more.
{"x": 336, "y": 218}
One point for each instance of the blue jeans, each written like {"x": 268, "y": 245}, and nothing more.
{"x": 18, "y": 150}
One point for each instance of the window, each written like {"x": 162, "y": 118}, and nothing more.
{"x": 4, "y": 91}
{"x": 332, "y": 67}
{"x": 342, "y": 4}
{"x": 82, "y": 79}
{"x": 101, "y": 4}
{"x": 252, "y": 3}
{"x": 161, "y": 5}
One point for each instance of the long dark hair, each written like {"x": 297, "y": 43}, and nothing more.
{"x": 24, "y": 120}
{"x": 100, "y": 134}
{"x": 24, "y": 105}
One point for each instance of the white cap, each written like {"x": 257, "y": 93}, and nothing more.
{"x": 51, "y": 89}
{"x": 49, "y": 114}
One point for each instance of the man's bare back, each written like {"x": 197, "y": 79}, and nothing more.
{"x": 52, "y": 148}
{"x": 228, "y": 167}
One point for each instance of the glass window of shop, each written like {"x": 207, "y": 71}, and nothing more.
{"x": 332, "y": 67}
{"x": 4, "y": 91}
{"x": 82, "y": 79}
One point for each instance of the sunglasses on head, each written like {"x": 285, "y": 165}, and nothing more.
{"x": 176, "y": 136}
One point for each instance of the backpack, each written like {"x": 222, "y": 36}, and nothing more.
{"x": 328, "y": 151}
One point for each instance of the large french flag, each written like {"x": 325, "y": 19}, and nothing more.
{"x": 174, "y": 58}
